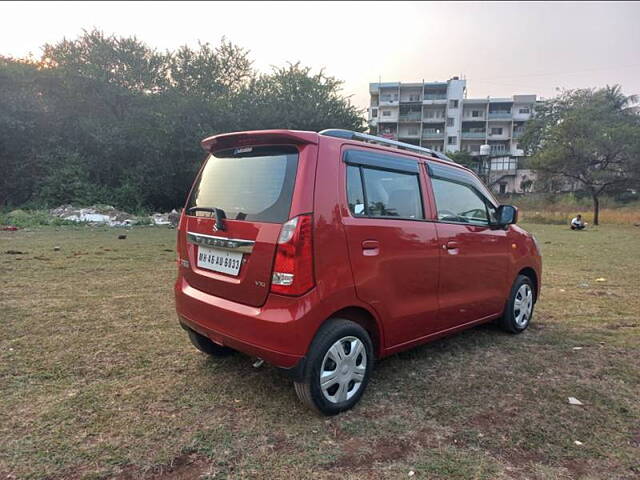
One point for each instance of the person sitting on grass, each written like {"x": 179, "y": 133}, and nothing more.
{"x": 577, "y": 223}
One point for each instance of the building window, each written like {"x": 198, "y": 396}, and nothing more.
{"x": 503, "y": 188}
{"x": 450, "y": 122}
{"x": 386, "y": 113}
{"x": 476, "y": 113}
{"x": 414, "y": 98}
{"x": 496, "y": 130}
{"x": 452, "y": 140}
{"x": 413, "y": 130}
{"x": 374, "y": 112}
{"x": 524, "y": 110}
{"x": 453, "y": 103}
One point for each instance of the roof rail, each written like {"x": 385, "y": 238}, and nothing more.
{"x": 364, "y": 137}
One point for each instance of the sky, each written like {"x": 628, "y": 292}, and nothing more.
{"x": 500, "y": 48}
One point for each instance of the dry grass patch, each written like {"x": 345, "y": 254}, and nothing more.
{"x": 99, "y": 381}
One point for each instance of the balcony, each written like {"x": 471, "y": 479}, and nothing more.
{"x": 499, "y": 115}
{"x": 501, "y": 150}
{"x": 405, "y": 134}
{"x": 466, "y": 135}
{"x": 410, "y": 117}
{"x": 518, "y": 133}
{"x": 388, "y": 100}
{"x": 431, "y": 135}
{"x": 390, "y": 136}
{"x": 433, "y": 119}
{"x": 435, "y": 96}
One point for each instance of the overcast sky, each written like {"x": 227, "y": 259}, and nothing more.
{"x": 500, "y": 48}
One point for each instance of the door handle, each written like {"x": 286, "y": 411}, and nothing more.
{"x": 370, "y": 248}
{"x": 452, "y": 248}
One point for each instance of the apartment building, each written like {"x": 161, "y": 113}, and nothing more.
{"x": 438, "y": 115}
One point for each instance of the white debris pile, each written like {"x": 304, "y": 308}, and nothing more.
{"x": 172, "y": 218}
{"x": 95, "y": 214}
{"x": 111, "y": 216}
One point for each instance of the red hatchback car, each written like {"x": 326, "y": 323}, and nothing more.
{"x": 320, "y": 252}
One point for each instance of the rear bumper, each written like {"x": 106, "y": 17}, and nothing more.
{"x": 279, "y": 332}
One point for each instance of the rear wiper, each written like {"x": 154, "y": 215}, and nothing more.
{"x": 218, "y": 212}
{"x": 201, "y": 209}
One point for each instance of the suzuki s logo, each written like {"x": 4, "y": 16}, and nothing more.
{"x": 219, "y": 224}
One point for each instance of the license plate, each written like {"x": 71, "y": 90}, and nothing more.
{"x": 219, "y": 260}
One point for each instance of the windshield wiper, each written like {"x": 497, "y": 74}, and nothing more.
{"x": 219, "y": 215}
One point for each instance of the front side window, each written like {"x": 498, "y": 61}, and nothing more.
{"x": 460, "y": 203}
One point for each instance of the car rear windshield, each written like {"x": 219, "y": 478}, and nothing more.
{"x": 248, "y": 183}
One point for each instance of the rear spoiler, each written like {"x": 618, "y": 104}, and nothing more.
{"x": 258, "y": 137}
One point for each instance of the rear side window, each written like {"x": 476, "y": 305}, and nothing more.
{"x": 355, "y": 193}
{"x": 460, "y": 203}
{"x": 249, "y": 183}
{"x": 383, "y": 192}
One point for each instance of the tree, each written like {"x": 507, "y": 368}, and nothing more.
{"x": 107, "y": 119}
{"x": 22, "y": 114}
{"x": 463, "y": 158}
{"x": 589, "y": 138}
{"x": 293, "y": 97}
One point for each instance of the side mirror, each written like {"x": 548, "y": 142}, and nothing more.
{"x": 506, "y": 215}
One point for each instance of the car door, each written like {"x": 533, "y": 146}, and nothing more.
{"x": 393, "y": 250}
{"x": 474, "y": 253}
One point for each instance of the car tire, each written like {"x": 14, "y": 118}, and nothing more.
{"x": 205, "y": 345}
{"x": 519, "y": 308}
{"x": 338, "y": 367}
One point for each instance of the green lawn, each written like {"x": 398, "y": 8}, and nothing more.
{"x": 98, "y": 380}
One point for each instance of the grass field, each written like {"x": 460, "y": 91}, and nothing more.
{"x": 98, "y": 380}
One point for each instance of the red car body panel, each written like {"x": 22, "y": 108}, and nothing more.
{"x": 413, "y": 280}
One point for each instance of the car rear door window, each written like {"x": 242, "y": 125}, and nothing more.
{"x": 383, "y": 192}
{"x": 392, "y": 194}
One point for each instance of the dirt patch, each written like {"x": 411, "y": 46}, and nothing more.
{"x": 602, "y": 293}
{"x": 184, "y": 467}
{"x": 359, "y": 454}
{"x": 617, "y": 326}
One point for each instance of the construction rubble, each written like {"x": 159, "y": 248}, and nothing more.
{"x": 108, "y": 215}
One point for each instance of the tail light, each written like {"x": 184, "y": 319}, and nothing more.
{"x": 293, "y": 266}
